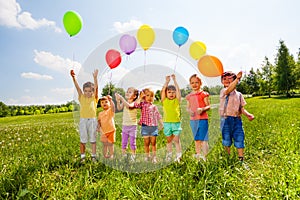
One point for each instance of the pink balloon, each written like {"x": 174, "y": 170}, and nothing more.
{"x": 127, "y": 44}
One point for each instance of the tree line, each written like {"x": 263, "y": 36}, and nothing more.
{"x": 280, "y": 78}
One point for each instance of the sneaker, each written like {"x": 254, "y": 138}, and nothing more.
{"x": 202, "y": 157}
{"x": 169, "y": 157}
{"x": 82, "y": 160}
{"x": 246, "y": 167}
{"x": 154, "y": 160}
{"x": 94, "y": 159}
{"x": 178, "y": 157}
{"x": 147, "y": 158}
{"x": 132, "y": 158}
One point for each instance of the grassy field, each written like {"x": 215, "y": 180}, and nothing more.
{"x": 40, "y": 160}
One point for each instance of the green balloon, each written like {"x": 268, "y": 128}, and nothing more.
{"x": 72, "y": 22}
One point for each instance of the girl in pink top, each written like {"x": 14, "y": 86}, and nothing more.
{"x": 150, "y": 119}
{"x": 197, "y": 105}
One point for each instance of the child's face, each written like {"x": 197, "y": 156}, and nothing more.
{"x": 105, "y": 104}
{"x": 130, "y": 94}
{"x": 195, "y": 84}
{"x": 171, "y": 94}
{"x": 226, "y": 80}
{"x": 88, "y": 92}
{"x": 149, "y": 97}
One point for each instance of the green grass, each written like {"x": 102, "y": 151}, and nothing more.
{"x": 40, "y": 159}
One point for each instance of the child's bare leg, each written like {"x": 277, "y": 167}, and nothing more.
{"x": 197, "y": 146}
{"x": 111, "y": 149}
{"x": 82, "y": 148}
{"x": 153, "y": 145}
{"x": 176, "y": 140}
{"x": 205, "y": 148}
{"x": 169, "y": 143}
{"x": 240, "y": 153}
{"x": 227, "y": 149}
{"x": 146, "y": 146}
{"x": 93, "y": 144}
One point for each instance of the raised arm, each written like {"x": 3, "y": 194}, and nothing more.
{"x": 233, "y": 84}
{"x": 120, "y": 105}
{"x": 124, "y": 102}
{"x": 163, "y": 90}
{"x": 178, "y": 93}
{"x": 79, "y": 91}
{"x": 95, "y": 75}
{"x": 113, "y": 108}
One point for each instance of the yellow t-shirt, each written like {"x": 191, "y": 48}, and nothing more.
{"x": 129, "y": 116}
{"x": 88, "y": 106}
{"x": 171, "y": 110}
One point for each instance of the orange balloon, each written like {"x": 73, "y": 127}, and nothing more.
{"x": 210, "y": 66}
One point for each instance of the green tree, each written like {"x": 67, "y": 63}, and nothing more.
{"x": 108, "y": 89}
{"x": 296, "y": 71}
{"x": 4, "y": 110}
{"x": 252, "y": 81}
{"x": 267, "y": 77}
{"x": 284, "y": 64}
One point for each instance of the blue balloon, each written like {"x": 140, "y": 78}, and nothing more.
{"x": 180, "y": 35}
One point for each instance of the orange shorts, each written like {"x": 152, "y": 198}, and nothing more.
{"x": 108, "y": 137}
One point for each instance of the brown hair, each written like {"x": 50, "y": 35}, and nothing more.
{"x": 88, "y": 85}
{"x": 197, "y": 77}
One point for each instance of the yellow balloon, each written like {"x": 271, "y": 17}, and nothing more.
{"x": 197, "y": 49}
{"x": 145, "y": 36}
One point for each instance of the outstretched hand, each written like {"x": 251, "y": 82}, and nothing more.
{"x": 72, "y": 73}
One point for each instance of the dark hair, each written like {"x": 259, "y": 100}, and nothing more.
{"x": 229, "y": 73}
{"x": 88, "y": 85}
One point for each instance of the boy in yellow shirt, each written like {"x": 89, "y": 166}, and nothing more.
{"x": 88, "y": 99}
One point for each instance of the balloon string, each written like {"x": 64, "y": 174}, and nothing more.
{"x": 109, "y": 84}
{"x": 144, "y": 61}
{"x": 73, "y": 58}
{"x": 176, "y": 59}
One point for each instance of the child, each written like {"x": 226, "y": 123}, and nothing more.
{"x": 231, "y": 77}
{"x": 106, "y": 125}
{"x": 170, "y": 98}
{"x": 150, "y": 119}
{"x": 88, "y": 105}
{"x": 231, "y": 107}
{"x": 129, "y": 128}
{"x": 197, "y": 105}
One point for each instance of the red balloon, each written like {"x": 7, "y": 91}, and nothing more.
{"x": 113, "y": 58}
{"x": 210, "y": 66}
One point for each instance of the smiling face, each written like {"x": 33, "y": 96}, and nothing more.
{"x": 149, "y": 95}
{"x": 171, "y": 94}
{"x": 88, "y": 92}
{"x": 131, "y": 94}
{"x": 195, "y": 83}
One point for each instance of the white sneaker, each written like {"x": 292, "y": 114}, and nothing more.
{"x": 169, "y": 157}
{"x": 132, "y": 158}
{"x": 147, "y": 158}
{"x": 154, "y": 160}
{"x": 178, "y": 157}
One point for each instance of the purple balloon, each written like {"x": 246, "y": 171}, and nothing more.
{"x": 127, "y": 44}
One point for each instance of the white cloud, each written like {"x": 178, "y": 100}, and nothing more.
{"x": 11, "y": 15}
{"x": 31, "y": 75}
{"x": 127, "y": 26}
{"x": 55, "y": 62}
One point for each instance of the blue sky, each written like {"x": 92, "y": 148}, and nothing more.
{"x": 37, "y": 53}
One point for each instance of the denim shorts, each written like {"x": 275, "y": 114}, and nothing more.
{"x": 149, "y": 130}
{"x": 172, "y": 128}
{"x": 200, "y": 129}
{"x": 232, "y": 130}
